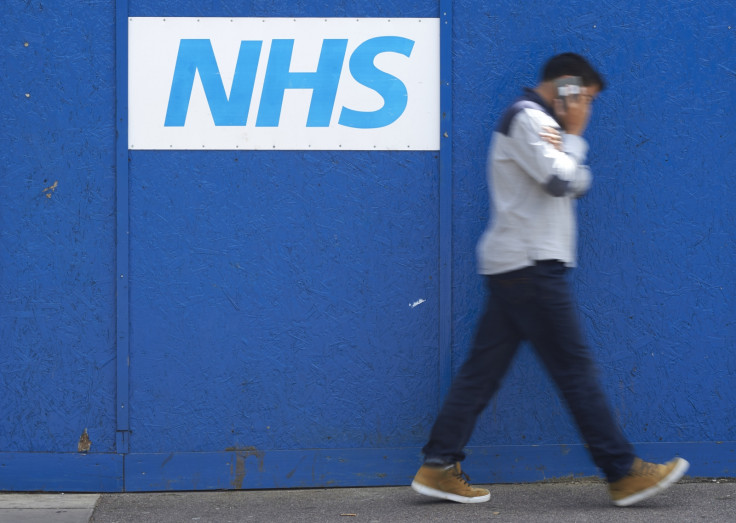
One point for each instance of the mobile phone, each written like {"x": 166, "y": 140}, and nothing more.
{"x": 568, "y": 86}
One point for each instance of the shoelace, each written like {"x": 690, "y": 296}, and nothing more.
{"x": 462, "y": 476}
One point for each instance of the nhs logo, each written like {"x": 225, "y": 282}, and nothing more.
{"x": 283, "y": 83}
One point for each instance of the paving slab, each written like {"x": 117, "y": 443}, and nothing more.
{"x": 47, "y": 508}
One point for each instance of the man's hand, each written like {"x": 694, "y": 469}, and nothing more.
{"x": 552, "y": 136}
{"x": 574, "y": 112}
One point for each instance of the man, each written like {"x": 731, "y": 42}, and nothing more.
{"x": 536, "y": 170}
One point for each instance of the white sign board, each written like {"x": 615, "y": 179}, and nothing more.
{"x": 283, "y": 83}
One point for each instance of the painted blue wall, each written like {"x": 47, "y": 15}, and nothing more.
{"x": 57, "y": 226}
{"x": 272, "y": 342}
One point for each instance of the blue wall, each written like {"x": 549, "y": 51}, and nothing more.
{"x": 272, "y": 342}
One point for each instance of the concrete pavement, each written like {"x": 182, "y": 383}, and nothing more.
{"x": 582, "y": 501}
{"x": 46, "y": 508}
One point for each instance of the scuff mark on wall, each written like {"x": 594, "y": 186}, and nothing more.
{"x": 168, "y": 458}
{"x": 84, "y": 443}
{"x": 291, "y": 473}
{"x": 50, "y": 189}
{"x": 237, "y": 470}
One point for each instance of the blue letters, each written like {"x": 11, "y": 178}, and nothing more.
{"x": 197, "y": 55}
{"x": 323, "y": 83}
{"x": 389, "y": 87}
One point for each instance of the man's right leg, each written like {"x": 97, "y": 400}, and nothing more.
{"x": 496, "y": 341}
{"x": 495, "y": 344}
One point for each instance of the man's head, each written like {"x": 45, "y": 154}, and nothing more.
{"x": 572, "y": 113}
{"x": 571, "y": 64}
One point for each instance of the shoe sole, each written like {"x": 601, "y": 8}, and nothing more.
{"x": 677, "y": 472}
{"x": 428, "y": 491}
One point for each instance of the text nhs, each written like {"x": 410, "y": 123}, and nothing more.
{"x": 197, "y": 56}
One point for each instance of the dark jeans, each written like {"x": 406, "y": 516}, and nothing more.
{"x": 534, "y": 304}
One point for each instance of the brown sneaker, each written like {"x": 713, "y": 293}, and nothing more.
{"x": 644, "y": 480}
{"x": 448, "y": 483}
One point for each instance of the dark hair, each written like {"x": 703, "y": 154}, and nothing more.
{"x": 571, "y": 64}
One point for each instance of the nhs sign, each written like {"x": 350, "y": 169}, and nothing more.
{"x": 283, "y": 83}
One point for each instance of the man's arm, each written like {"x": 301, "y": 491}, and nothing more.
{"x": 558, "y": 166}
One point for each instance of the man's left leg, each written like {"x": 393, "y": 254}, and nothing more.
{"x": 554, "y": 330}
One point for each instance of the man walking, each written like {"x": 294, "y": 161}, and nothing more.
{"x": 536, "y": 171}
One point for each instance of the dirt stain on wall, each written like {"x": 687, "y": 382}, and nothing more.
{"x": 237, "y": 469}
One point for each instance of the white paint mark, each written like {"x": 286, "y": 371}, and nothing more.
{"x": 416, "y": 303}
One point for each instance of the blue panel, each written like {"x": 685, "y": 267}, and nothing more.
{"x": 54, "y": 472}
{"x": 248, "y": 468}
{"x": 285, "y": 8}
{"x": 283, "y": 300}
{"x": 656, "y": 282}
{"x": 57, "y": 308}
{"x": 271, "y": 299}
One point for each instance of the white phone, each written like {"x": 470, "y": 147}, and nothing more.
{"x": 568, "y": 86}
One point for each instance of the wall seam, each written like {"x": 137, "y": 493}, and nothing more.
{"x": 445, "y": 200}
{"x": 122, "y": 252}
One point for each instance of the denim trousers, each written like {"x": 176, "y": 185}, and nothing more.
{"x": 533, "y": 304}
